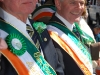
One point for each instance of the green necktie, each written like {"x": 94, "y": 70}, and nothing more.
{"x": 76, "y": 32}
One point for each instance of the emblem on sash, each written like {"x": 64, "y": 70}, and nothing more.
{"x": 16, "y": 44}
{"x": 39, "y": 26}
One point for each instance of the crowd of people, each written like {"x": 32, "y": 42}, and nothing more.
{"x": 64, "y": 44}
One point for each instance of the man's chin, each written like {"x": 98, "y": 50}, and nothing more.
{"x": 77, "y": 19}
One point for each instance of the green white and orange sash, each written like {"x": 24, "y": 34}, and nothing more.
{"x": 72, "y": 45}
{"x": 43, "y": 11}
{"x": 29, "y": 62}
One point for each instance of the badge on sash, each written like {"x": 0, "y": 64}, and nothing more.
{"x": 16, "y": 44}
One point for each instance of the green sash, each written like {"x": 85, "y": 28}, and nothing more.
{"x": 86, "y": 39}
{"x": 31, "y": 49}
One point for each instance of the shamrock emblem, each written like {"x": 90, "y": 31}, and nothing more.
{"x": 39, "y": 26}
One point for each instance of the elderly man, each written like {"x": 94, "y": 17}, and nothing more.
{"x": 68, "y": 36}
{"x": 30, "y": 49}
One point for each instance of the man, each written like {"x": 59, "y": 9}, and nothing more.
{"x": 96, "y": 31}
{"x": 76, "y": 56}
{"x": 26, "y": 54}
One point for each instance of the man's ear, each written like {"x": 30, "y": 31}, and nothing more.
{"x": 58, "y": 4}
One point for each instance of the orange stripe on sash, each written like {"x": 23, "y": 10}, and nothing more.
{"x": 69, "y": 50}
{"x": 16, "y": 62}
{"x": 43, "y": 14}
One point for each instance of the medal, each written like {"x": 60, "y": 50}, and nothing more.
{"x": 16, "y": 44}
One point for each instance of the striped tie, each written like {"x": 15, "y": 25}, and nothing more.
{"x": 29, "y": 30}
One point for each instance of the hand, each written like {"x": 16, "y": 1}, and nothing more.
{"x": 3, "y": 44}
{"x": 98, "y": 62}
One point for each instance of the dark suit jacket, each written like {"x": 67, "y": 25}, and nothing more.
{"x": 49, "y": 52}
{"x": 69, "y": 66}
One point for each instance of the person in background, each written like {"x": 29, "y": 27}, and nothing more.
{"x": 42, "y": 2}
{"x": 83, "y": 24}
{"x": 25, "y": 46}
{"x": 85, "y": 28}
{"x": 38, "y": 4}
{"x": 96, "y": 31}
{"x": 70, "y": 39}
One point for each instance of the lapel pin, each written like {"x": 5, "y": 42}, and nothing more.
{"x": 45, "y": 39}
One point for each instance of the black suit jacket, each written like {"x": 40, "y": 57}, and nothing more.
{"x": 69, "y": 65}
{"x": 49, "y": 52}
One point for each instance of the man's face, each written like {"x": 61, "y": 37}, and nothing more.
{"x": 71, "y": 10}
{"x": 19, "y": 6}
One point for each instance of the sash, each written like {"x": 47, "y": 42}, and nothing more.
{"x": 71, "y": 45}
{"x": 86, "y": 39}
{"x": 43, "y": 11}
{"x": 23, "y": 55}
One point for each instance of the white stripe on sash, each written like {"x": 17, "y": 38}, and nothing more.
{"x": 30, "y": 64}
{"x": 43, "y": 10}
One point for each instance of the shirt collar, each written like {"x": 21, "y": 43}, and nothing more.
{"x": 13, "y": 20}
{"x": 69, "y": 26}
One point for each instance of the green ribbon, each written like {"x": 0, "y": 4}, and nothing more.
{"x": 39, "y": 26}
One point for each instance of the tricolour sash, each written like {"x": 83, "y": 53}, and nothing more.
{"x": 43, "y": 11}
{"x": 72, "y": 45}
{"x": 23, "y": 55}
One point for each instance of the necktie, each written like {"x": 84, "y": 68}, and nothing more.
{"x": 29, "y": 30}
{"x": 76, "y": 32}
{"x": 33, "y": 36}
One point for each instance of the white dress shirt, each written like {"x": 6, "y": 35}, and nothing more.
{"x": 69, "y": 26}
